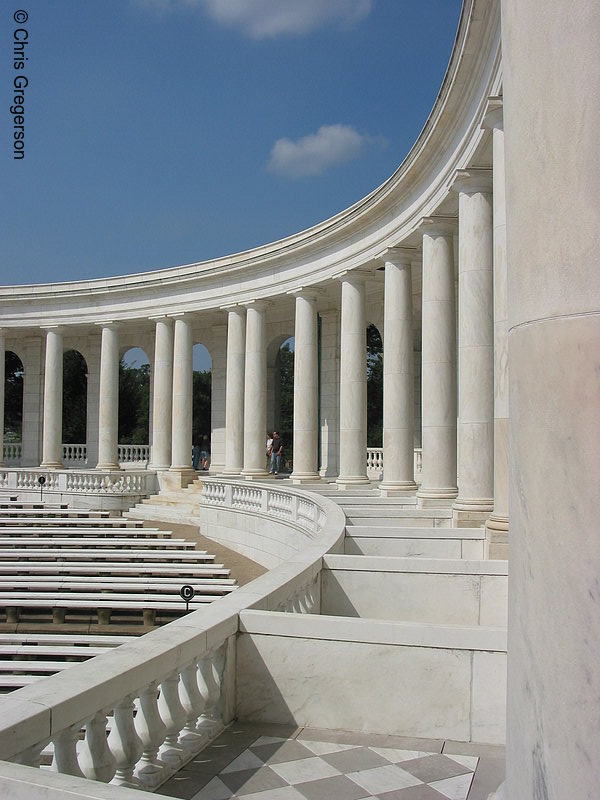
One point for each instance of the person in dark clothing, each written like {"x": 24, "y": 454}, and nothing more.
{"x": 276, "y": 453}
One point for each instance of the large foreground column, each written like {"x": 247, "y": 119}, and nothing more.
{"x": 181, "y": 446}
{"x": 353, "y": 383}
{"x": 475, "y": 498}
{"x": 551, "y": 66}
{"x": 108, "y": 404}
{"x": 398, "y": 375}
{"x": 438, "y": 393}
{"x": 306, "y": 390}
{"x": 497, "y": 523}
{"x": 255, "y": 391}
{"x": 234, "y": 391}
{"x": 162, "y": 394}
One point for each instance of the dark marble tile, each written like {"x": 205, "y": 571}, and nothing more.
{"x": 434, "y": 768}
{"x": 252, "y": 780}
{"x": 336, "y": 788}
{"x": 354, "y": 760}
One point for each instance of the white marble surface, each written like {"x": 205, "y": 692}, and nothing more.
{"x": 234, "y": 403}
{"x": 162, "y": 394}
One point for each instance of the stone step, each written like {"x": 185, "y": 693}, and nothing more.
{"x": 415, "y": 542}
{"x": 440, "y": 591}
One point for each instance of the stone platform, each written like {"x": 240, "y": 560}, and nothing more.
{"x": 276, "y": 762}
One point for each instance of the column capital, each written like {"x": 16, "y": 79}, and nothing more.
{"x": 400, "y": 256}
{"x": 358, "y": 276}
{"x": 472, "y": 181}
{"x": 308, "y": 293}
{"x": 53, "y": 328}
{"x": 232, "y": 307}
{"x": 438, "y": 226}
{"x": 493, "y": 118}
{"x": 160, "y": 318}
{"x": 259, "y": 304}
{"x": 109, "y": 323}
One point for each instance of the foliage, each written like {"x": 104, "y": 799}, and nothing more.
{"x": 374, "y": 388}
{"x": 134, "y": 404}
{"x": 13, "y": 397}
{"x": 74, "y": 413}
{"x": 201, "y": 418}
{"x": 286, "y": 415}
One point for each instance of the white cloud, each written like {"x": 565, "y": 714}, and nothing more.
{"x": 315, "y": 153}
{"x": 263, "y": 19}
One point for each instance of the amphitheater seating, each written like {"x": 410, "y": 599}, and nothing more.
{"x": 63, "y": 563}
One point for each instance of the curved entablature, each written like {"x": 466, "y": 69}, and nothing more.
{"x": 356, "y": 237}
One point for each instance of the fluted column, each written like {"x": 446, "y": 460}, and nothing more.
{"x": 2, "y": 380}
{"x": 497, "y": 523}
{"x": 162, "y": 394}
{"x": 353, "y": 382}
{"x": 475, "y": 347}
{"x": 108, "y": 410}
{"x": 181, "y": 426}
{"x": 438, "y": 383}
{"x": 306, "y": 390}
{"x": 234, "y": 391}
{"x": 398, "y": 375}
{"x": 255, "y": 391}
{"x": 53, "y": 393}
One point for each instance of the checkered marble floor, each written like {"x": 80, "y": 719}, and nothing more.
{"x": 247, "y": 764}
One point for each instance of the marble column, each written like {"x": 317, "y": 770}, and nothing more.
{"x": 551, "y": 74}
{"x": 398, "y": 375}
{"x": 497, "y": 523}
{"x": 108, "y": 412}
{"x": 255, "y": 391}
{"x": 475, "y": 499}
{"x": 234, "y": 391}
{"x": 306, "y": 390}
{"x": 181, "y": 425}
{"x": 162, "y": 393}
{"x": 2, "y": 382}
{"x": 353, "y": 382}
{"x": 438, "y": 382}
{"x": 53, "y": 394}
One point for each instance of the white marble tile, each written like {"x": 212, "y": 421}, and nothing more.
{"x": 247, "y": 760}
{"x": 268, "y": 740}
{"x": 465, "y": 761}
{"x": 322, "y": 748}
{"x": 399, "y": 755}
{"x": 283, "y": 793}
{"x": 454, "y": 788}
{"x": 384, "y": 779}
{"x": 304, "y": 769}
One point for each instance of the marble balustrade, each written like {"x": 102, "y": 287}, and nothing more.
{"x": 161, "y": 708}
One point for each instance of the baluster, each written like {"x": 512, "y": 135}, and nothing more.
{"x": 65, "y": 752}
{"x": 211, "y": 692}
{"x": 194, "y": 705}
{"x": 151, "y": 730}
{"x": 96, "y": 760}
{"x": 174, "y": 716}
{"x": 125, "y": 744}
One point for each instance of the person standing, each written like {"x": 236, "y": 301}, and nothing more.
{"x": 277, "y": 450}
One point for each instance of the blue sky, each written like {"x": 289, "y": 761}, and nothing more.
{"x": 163, "y": 132}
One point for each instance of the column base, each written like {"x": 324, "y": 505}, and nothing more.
{"x": 352, "y": 481}
{"x": 109, "y": 467}
{"x": 400, "y": 489}
{"x": 496, "y": 537}
{"x": 179, "y": 477}
{"x": 229, "y": 473}
{"x": 436, "y": 498}
{"x": 305, "y": 477}
{"x": 471, "y": 512}
{"x": 254, "y": 474}
{"x": 54, "y": 465}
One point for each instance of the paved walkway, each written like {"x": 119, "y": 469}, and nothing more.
{"x": 275, "y": 762}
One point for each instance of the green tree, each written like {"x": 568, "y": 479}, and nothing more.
{"x": 201, "y": 400}
{"x": 134, "y": 404}
{"x": 286, "y": 412}
{"x": 13, "y": 397}
{"x": 74, "y": 413}
{"x": 374, "y": 388}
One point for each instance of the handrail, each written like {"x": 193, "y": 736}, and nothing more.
{"x": 179, "y": 678}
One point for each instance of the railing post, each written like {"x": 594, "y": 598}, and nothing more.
{"x": 151, "y": 730}
{"x": 96, "y": 760}
{"x": 65, "y": 752}
{"x": 174, "y": 716}
{"x": 125, "y": 744}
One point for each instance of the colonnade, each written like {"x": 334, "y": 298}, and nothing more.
{"x": 464, "y": 367}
